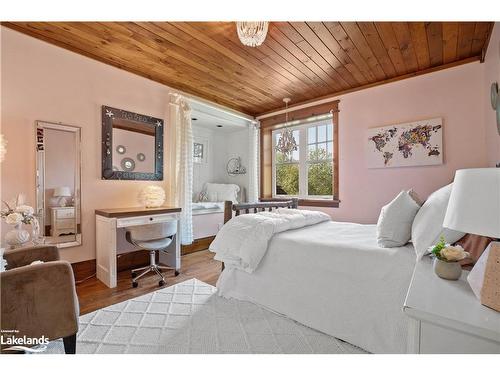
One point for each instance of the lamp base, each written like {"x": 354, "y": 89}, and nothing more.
{"x": 484, "y": 278}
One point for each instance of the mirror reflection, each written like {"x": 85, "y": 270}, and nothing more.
{"x": 58, "y": 183}
{"x": 134, "y": 146}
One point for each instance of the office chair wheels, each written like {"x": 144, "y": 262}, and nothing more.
{"x": 134, "y": 274}
{"x": 176, "y": 273}
{"x": 135, "y": 284}
{"x": 161, "y": 283}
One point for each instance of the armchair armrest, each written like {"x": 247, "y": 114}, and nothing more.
{"x": 23, "y": 257}
{"x": 40, "y": 300}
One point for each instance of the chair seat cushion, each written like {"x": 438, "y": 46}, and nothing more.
{"x": 159, "y": 244}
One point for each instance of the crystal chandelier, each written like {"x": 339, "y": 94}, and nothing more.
{"x": 286, "y": 143}
{"x": 252, "y": 34}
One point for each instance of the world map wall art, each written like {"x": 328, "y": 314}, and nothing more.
{"x": 403, "y": 145}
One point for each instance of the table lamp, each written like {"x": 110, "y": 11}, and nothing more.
{"x": 474, "y": 207}
{"x": 62, "y": 192}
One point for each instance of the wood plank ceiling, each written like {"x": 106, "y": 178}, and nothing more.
{"x": 300, "y": 60}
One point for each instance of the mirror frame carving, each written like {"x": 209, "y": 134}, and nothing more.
{"x": 108, "y": 113}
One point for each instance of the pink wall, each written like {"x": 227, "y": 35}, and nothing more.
{"x": 44, "y": 82}
{"x": 453, "y": 94}
{"x": 492, "y": 74}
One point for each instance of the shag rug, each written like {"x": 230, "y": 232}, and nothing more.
{"x": 190, "y": 318}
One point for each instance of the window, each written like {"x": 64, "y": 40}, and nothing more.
{"x": 307, "y": 173}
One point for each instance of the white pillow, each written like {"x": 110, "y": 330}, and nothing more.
{"x": 222, "y": 192}
{"x": 428, "y": 224}
{"x": 395, "y": 220}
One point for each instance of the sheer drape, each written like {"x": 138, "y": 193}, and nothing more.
{"x": 181, "y": 118}
{"x": 253, "y": 163}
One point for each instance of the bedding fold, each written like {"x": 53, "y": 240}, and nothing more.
{"x": 243, "y": 241}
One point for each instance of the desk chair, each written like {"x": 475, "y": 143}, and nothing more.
{"x": 153, "y": 238}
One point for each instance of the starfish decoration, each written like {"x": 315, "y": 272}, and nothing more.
{"x": 158, "y": 123}
{"x": 109, "y": 113}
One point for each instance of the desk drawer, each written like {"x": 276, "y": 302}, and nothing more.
{"x": 65, "y": 214}
{"x": 144, "y": 220}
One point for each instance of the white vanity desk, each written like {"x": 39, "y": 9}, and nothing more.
{"x": 108, "y": 224}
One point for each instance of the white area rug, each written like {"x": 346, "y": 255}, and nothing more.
{"x": 190, "y": 318}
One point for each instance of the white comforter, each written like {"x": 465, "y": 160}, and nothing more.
{"x": 243, "y": 241}
{"x": 332, "y": 277}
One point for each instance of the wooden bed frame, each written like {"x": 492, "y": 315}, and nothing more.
{"x": 269, "y": 204}
{"x": 245, "y": 208}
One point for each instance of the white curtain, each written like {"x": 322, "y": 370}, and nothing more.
{"x": 181, "y": 118}
{"x": 253, "y": 163}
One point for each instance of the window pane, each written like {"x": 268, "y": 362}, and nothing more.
{"x": 311, "y": 135}
{"x": 320, "y": 179}
{"x": 311, "y": 152}
{"x": 329, "y": 148}
{"x": 322, "y": 133}
{"x": 287, "y": 179}
{"x": 295, "y": 154}
{"x": 329, "y": 131}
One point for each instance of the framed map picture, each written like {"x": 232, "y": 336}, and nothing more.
{"x": 404, "y": 145}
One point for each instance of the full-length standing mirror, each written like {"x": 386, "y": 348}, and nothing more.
{"x": 58, "y": 174}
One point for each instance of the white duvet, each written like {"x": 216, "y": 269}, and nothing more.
{"x": 243, "y": 241}
{"x": 332, "y": 277}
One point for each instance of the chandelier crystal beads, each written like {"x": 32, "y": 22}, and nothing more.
{"x": 286, "y": 142}
{"x": 252, "y": 34}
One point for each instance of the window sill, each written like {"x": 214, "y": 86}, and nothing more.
{"x": 319, "y": 203}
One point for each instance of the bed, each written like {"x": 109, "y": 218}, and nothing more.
{"x": 332, "y": 277}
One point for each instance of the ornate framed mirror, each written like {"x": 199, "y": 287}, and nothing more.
{"x": 58, "y": 183}
{"x": 132, "y": 146}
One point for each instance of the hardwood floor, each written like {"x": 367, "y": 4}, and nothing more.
{"x": 94, "y": 295}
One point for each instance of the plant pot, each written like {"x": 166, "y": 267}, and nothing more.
{"x": 17, "y": 237}
{"x": 447, "y": 270}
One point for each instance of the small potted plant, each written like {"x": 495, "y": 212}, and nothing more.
{"x": 447, "y": 258}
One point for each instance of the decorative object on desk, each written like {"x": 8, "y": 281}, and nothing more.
{"x": 21, "y": 214}
{"x": 3, "y": 147}
{"x": 447, "y": 260}
{"x": 474, "y": 207}
{"x": 403, "y": 145}
{"x": 234, "y": 167}
{"x": 141, "y": 156}
{"x": 152, "y": 196}
{"x": 62, "y": 192}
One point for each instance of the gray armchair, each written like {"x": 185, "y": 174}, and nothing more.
{"x": 39, "y": 299}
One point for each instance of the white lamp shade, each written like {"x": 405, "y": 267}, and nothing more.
{"x": 474, "y": 205}
{"x": 62, "y": 191}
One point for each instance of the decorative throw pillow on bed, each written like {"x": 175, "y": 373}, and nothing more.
{"x": 394, "y": 222}
{"x": 428, "y": 224}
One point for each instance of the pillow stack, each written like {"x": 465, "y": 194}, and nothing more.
{"x": 403, "y": 220}
{"x": 395, "y": 220}
{"x": 428, "y": 227}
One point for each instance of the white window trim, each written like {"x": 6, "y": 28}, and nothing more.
{"x": 303, "y": 170}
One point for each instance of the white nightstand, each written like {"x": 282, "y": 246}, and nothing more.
{"x": 62, "y": 221}
{"x": 447, "y": 317}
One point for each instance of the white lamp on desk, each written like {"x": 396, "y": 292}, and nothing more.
{"x": 474, "y": 207}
